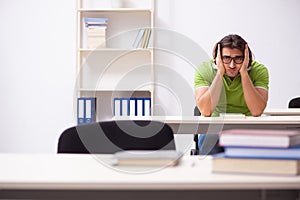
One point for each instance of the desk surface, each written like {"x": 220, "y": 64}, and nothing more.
{"x": 199, "y": 124}
{"x": 282, "y": 112}
{"x": 94, "y": 172}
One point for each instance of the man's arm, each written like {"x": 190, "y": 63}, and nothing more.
{"x": 207, "y": 98}
{"x": 256, "y": 98}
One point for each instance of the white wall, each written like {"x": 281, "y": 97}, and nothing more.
{"x": 38, "y": 40}
{"x": 37, "y": 73}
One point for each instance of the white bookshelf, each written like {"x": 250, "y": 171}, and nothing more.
{"x": 118, "y": 68}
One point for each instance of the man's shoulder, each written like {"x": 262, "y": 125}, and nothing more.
{"x": 208, "y": 66}
{"x": 258, "y": 69}
{"x": 205, "y": 74}
{"x": 257, "y": 66}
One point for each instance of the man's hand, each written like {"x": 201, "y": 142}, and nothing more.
{"x": 219, "y": 62}
{"x": 245, "y": 64}
{"x": 256, "y": 98}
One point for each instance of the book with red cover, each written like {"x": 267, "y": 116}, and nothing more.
{"x": 260, "y": 138}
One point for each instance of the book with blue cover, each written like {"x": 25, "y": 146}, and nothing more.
{"x": 268, "y": 153}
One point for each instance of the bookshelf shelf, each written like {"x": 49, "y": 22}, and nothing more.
{"x": 117, "y": 67}
{"x": 109, "y": 90}
{"x": 115, "y": 10}
{"x": 149, "y": 49}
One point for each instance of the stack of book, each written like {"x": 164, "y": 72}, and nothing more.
{"x": 259, "y": 152}
{"x": 96, "y": 32}
{"x": 142, "y": 39}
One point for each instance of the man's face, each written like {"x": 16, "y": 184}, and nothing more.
{"x": 232, "y": 60}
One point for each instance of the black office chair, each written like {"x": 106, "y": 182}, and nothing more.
{"x": 294, "y": 103}
{"x": 210, "y": 140}
{"x": 113, "y": 136}
{"x": 196, "y": 150}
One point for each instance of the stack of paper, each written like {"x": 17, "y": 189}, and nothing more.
{"x": 96, "y": 32}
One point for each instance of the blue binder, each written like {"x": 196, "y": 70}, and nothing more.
{"x": 90, "y": 110}
{"x": 86, "y": 110}
{"x": 117, "y": 107}
{"x": 132, "y": 106}
{"x": 124, "y": 106}
{"x": 80, "y": 111}
{"x": 147, "y": 107}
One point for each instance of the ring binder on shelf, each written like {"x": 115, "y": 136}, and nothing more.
{"x": 124, "y": 106}
{"x": 117, "y": 107}
{"x": 86, "y": 110}
{"x": 80, "y": 111}
{"x": 132, "y": 106}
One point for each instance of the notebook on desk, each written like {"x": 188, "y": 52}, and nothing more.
{"x": 232, "y": 115}
{"x": 148, "y": 158}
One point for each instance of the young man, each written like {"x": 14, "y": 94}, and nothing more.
{"x": 232, "y": 82}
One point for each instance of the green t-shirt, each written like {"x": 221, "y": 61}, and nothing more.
{"x": 232, "y": 96}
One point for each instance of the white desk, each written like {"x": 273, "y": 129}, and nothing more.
{"x": 83, "y": 176}
{"x": 198, "y": 124}
{"x": 282, "y": 112}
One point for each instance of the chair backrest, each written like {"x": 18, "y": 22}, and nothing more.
{"x": 113, "y": 136}
{"x": 294, "y": 103}
{"x": 196, "y": 113}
